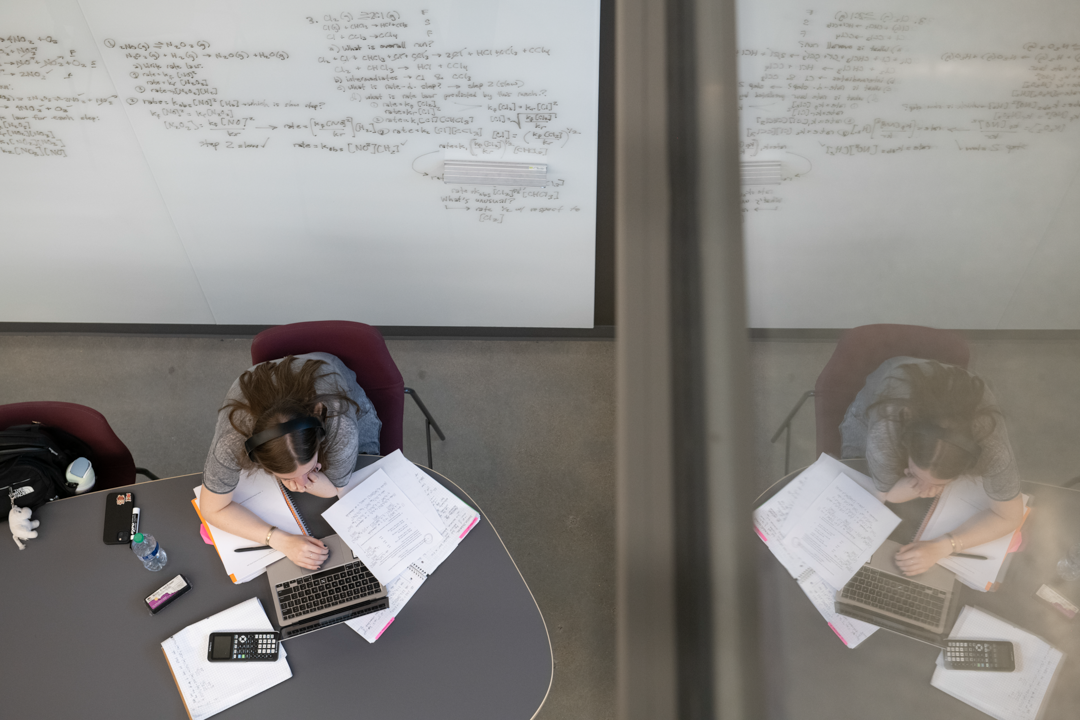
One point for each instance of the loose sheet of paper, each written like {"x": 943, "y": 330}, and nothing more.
{"x": 1006, "y": 696}
{"x": 382, "y": 526}
{"x": 850, "y": 631}
{"x": 841, "y": 530}
{"x": 440, "y": 506}
{"x": 399, "y": 591}
{"x": 208, "y": 688}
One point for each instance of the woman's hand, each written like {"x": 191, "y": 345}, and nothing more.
{"x": 307, "y": 552}
{"x": 918, "y": 557}
{"x": 304, "y": 483}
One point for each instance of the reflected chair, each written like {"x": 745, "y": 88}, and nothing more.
{"x": 110, "y": 458}
{"x": 858, "y": 353}
{"x": 362, "y": 348}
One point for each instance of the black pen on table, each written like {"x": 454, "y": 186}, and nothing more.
{"x": 267, "y": 547}
{"x": 963, "y": 555}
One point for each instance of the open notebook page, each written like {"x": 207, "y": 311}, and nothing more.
{"x": 1006, "y": 696}
{"x": 210, "y": 687}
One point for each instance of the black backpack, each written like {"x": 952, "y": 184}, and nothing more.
{"x": 33, "y": 464}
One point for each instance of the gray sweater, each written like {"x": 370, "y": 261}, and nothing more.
{"x": 347, "y": 434}
{"x": 875, "y": 435}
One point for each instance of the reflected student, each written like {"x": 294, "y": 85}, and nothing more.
{"x": 922, "y": 424}
{"x": 303, "y": 419}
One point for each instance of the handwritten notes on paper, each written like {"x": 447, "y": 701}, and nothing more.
{"x": 841, "y": 530}
{"x": 382, "y": 526}
{"x": 401, "y": 523}
{"x": 208, "y": 688}
{"x": 1006, "y": 696}
{"x": 818, "y": 526}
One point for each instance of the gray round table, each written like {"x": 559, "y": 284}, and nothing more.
{"x": 79, "y": 642}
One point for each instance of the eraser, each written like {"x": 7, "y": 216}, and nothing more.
{"x": 1059, "y": 602}
{"x": 167, "y": 593}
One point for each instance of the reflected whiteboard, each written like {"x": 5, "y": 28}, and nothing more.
{"x": 254, "y": 162}
{"x": 928, "y": 155}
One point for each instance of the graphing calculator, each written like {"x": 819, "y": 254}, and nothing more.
{"x": 243, "y": 647}
{"x": 991, "y": 655}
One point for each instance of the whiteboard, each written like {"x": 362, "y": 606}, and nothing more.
{"x": 927, "y": 157}
{"x": 264, "y": 162}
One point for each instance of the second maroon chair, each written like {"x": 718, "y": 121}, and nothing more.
{"x": 362, "y": 348}
{"x": 110, "y": 458}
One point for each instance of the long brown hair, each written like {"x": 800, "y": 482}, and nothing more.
{"x": 942, "y": 421}
{"x": 273, "y": 393}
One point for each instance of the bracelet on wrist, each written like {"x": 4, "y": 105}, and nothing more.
{"x": 268, "y": 534}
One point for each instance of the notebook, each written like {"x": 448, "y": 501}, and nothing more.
{"x": 207, "y": 688}
{"x": 309, "y": 600}
{"x": 959, "y": 502}
{"x": 1018, "y": 695}
{"x": 924, "y": 607}
{"x": 264, "y": 496}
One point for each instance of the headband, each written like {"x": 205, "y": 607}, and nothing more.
{"x": 930, "y": 430}
{"x": 290, "y": 426}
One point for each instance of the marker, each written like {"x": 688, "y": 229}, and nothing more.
{"x": 970, "y": 557}
{"x": 134, "y": 521}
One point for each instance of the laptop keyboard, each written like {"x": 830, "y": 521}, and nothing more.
{"x": 326, "y": 589}
{"x": 908, "y": 599}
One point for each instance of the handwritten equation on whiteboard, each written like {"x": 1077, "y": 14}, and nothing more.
{"x": 828, "y": 84}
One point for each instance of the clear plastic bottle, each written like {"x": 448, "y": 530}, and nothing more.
{"x": 146, "y": 548}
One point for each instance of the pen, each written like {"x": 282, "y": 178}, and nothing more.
{"x": 970, "y": 557}
{"x": 267, "y": 547}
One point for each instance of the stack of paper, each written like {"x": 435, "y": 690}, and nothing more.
{"x": 207, "y": 687}
{"x": 1006, "y": 696}
{"x": 823, "y": 526}
{"x": 402, "y": 524}
{"x": 960, "y": 501}
{"x": 259, "y": 492}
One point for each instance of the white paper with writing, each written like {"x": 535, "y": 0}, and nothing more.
{"x": 210, "y": 687}
{"x": 382, "y": 526}
{"x": 841, "y": 530}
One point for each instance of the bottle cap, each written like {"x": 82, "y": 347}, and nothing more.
{"x": 137, "y": 537}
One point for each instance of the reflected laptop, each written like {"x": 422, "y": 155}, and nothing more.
{"x": 923, "y": 607}
{"x": 309, "y": 600}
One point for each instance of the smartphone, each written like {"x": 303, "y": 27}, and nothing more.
{"x": 119, "y": 507}
{"x": 248, "y": 646}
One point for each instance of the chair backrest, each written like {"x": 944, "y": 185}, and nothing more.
{"x": 112, "y": 461}
{"x": 363, "y": 350}
{"x": 858, "y": 353}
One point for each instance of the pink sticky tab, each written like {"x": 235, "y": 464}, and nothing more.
{"x": 761, "y": 535}
{"x": 205, "y": 535}
{"x": 1017, "y": 539}
{"x": 466, "y": 530}
{"x": 384, "y": 628}
{"x": 837, "y": 634}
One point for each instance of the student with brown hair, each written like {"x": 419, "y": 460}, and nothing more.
{"x": 920, "y": 425}
{"x": 303, "y": 419}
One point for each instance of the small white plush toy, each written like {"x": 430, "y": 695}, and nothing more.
{"x": 22, "y": 527}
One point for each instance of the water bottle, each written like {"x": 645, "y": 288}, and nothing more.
{"x": 147, "y": 549}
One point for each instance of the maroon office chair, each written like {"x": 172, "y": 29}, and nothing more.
{"x": 858, "y": 353}
{"x": 362, "y": 348}
{"x": 111, "y": 459}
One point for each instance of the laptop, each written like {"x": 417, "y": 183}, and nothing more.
{"x": 309, "y": 600}
{"x": 923, "y": 607}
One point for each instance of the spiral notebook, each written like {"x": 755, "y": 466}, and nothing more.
{"x": 262, "y": 494}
